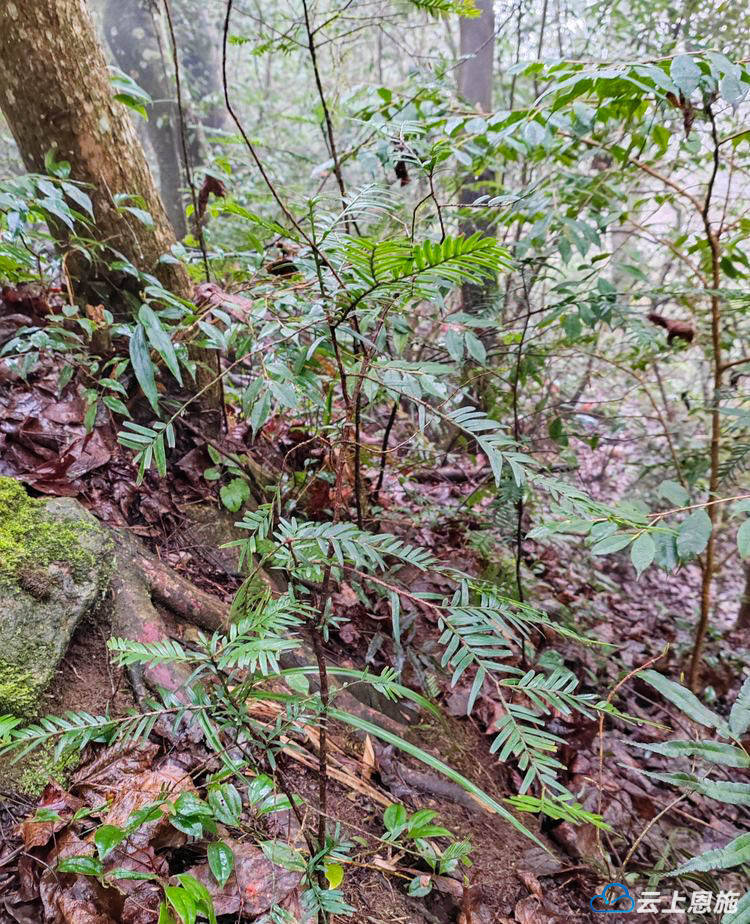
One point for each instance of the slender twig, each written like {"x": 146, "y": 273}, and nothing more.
{"x": 384, "y": 450}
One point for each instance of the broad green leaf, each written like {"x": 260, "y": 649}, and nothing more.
{"x": 454, "y": 343}
{"x": 693, "y": 534}
{"x": 475, "y": 347}
{"x": 106, "y": 838}
{"x": 735, "y": 853}
{"x": 116, "y": 406}
{"x": 642, "y": 552}
{"x": 666, "y": 551}
{"x": 120, "y": 872}
{"x": 200, "y": 895}
{"x": 164, "y": 915}
{"x": 234, "y": 494}
{"x": 143, "y": 367}
{"x": 220, "y": 861}
{"x": 674, "y": 493}
{"x": 739, "y": 715}
{"x": 334, "y": 875}
{"x": 394, "y": 818}
{"x": 183, "y": 904}
{"x": 226, "y": 803}
{"x": 743, "y": 540}
{"x": 716, "y": 752}
{"x": 283, "y": 855}
{"x": 611, "y": 544}
{"x": 686, "y": 701}
{"x": 159, "y": 340}
{"x": 84, "y": 866}
{"x": 685, "y": 73}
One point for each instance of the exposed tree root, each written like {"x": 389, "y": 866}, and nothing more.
{"x": 141, "y": 578}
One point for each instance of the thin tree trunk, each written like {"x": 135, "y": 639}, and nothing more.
{"x": 743, "y": 616}
{"x": 132, "y": 35}
{"x": 475, "y": 75}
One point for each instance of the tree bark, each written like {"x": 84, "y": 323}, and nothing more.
{"x": 55, "y": 91}
{"x": 475, "y": 74}
{"x": 743, "y": 616}
{"x": 132, "y": 35}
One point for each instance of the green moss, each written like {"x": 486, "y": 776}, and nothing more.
{"x": 29, "y": 541}
{"x": 19, "y": 688}
{"x": 31, "y": 775}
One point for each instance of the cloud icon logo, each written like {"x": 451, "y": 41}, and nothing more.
{"x": 614, "y": 898}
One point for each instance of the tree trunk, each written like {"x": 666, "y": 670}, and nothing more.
{"x": 55, "y": 90}
{"x": 475, "y": 73}
{"x": 743, "y": 616}
{"x": 133, "y": 37}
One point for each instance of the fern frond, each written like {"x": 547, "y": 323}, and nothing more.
{"x": 446, "y": 7}
{"x": 311, "y": 543}
{"x": 166, "y": 651}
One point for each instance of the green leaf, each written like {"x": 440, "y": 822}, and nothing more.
{"x": 334, "y": 874}
{"x": 735, "y": 853}
{"x": 741, "y": 915}
{"x": 226, "y": 803}
{"x": 716, "y": 752}
{"x": 283, "y": 855}
{"x": 694, "y": 534}
{"x": 235, "y": 494}
{"x": 83, "y": 866}
{"x": 164, "y": 916}
{"x": 120, "y": 872}
{"x": 674, "y": 493}
{"x": 183, "y": 903}
{"x": 220, "y": 861}
{"x": 611, "y": 544}
{"x": 394, "y": 819}
{"x": 686, "y": 701}
{"x": 685, "y": 73}
{"x": 454, "y": 343}
{"x": 642, "y": 552}
{"x": 107, "y": 837}
{"x": 143, "y": 367}
{"x": 739, "y": 715}
{"x": 159, "y": 340}
{"x": 199, "y": 894}
{"x": 666, "y": 551}
{"x": 475, "y": 347}
{"x": 116, "y": 406}
{"x": 743, "y": 540}
{"x": 720, "y": 790}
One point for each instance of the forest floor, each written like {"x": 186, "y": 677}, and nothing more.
{"x": 43, "y": 443}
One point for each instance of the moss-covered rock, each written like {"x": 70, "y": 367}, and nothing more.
{"x": 55, "y": 566}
